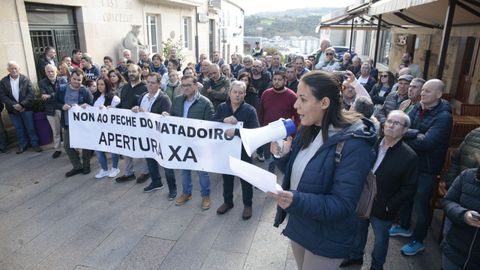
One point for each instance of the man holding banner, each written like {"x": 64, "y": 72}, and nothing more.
{"x": 156, "y": 101}
{"x": 231, "y": 112}
{"x": 129, "y": 99}
{"x": 192, "y": 105}
{"x": 68, "y": 96}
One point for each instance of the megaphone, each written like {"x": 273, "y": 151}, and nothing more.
{"x": 256, "y": 137}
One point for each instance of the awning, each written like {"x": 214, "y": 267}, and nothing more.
{"x": 340, "y": 18}
{"x": 422, "y": 13}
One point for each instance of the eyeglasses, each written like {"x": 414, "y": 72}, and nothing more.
{"x": 186, "y": 85}
{"x": 257, "y": 66}
{"x": 329, "y": 54}
{"x": 394, "y": 123}
{"x": 383, "y": 76}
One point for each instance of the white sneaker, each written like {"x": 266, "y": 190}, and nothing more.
{"x": 102, "y": 174}
{"x": 114, "y": 172}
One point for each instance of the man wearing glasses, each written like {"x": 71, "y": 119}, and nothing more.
{"x": 300, "y": 66}
{"x": 260, "y": 80}
{"x": 395, "y": 98}
{"x": 429, "y": 137}
{"x": 192, "y": 105}
{"x": 396, "y": 171}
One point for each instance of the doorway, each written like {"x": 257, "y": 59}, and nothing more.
{"x": 467, "y": 69}
{"x": 52, "y": 26}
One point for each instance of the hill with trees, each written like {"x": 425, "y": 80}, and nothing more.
{"x": 297, "y": 22}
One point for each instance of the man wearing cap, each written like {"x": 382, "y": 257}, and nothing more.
{"x": 393, "y": 100}
{"x": 257, "y": 52}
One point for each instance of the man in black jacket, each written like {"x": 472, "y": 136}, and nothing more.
{"x": 16, "y": 91}
{"x": 49, "y": 86}
{"x": 128, "y": 99}
{"x": 49, "y": 57}
{"x": 156, "y": 101}
{"x": 429, "y": 137}
{"x": 396, "y": 171}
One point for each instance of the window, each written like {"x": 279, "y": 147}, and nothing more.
{"x": 385, "y": 45}
{"x": 152, "y": 33}
{"x": 187, "y": 32}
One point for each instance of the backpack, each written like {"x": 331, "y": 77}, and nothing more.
{"x": 364, "y": 205}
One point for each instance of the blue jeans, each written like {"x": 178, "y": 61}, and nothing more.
{"x": 157, "y": 179}
{"x": 23, "y": 122}
{"x": 187, "y": 182}
{"x": 425, "y": 185}
{"x": 380, "y": 248}
{"x": 447, "y": 264}
{"x": 102, "y": 159}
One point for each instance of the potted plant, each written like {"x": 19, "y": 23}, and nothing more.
{"x": 44, "y": 131}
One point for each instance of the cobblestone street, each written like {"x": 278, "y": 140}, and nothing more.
{"x": 51, "y": 222}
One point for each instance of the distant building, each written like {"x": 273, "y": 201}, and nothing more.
{"x": 99, "y": 27}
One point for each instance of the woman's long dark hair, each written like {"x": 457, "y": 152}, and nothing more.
{"x": 108, "y": 87}
{"x": 324, "y": 84}
{"x": 121, "y": 79}
{"x": 391, "y": 80}
{"x": 250, "y": 87}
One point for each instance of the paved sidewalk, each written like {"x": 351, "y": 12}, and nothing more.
{"x": 51, "y": 222}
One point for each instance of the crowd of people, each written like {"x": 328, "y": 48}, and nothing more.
{"x": 396, "y": 126}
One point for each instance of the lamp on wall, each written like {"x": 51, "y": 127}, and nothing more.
{"x": 240, "y": 30}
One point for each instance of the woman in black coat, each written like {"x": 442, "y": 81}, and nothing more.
{"x": 461, "y": 246}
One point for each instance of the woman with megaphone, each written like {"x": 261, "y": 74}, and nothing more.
{"x": 232, "y": 111}
{"x": 319, "y": 195}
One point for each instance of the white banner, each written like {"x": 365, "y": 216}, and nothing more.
{"x": 175, "y": 142}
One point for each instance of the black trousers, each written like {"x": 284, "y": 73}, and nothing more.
{"x": 247, "y": 190}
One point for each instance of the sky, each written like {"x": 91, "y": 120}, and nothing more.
{"x": 255, "y": 6}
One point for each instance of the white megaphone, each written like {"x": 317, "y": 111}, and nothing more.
{"x": 256, "y": 137}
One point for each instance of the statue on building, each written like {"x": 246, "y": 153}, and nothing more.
{"x": 132, "y": 43}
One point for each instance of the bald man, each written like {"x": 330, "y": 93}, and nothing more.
{"x": 320, "y": 57}
{"x": 16, "y": 91}
{"x": 429, "y": 136}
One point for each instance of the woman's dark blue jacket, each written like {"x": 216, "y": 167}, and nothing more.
{"x": 322, "y": 215}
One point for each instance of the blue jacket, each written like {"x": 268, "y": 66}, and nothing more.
{"x": 84, "y": 96}
{"x": 322, "y": 215}
{"x": 464, "y": 195}
{"x": 429, "y": 136}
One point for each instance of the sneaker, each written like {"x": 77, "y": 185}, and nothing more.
{"x": 205, "y": 203}
{"x": 224, "y": 208}
{"x": 102, "y": 173}
{"x": 397, "y": 230}
{"x": 183, "y": 199}
{"x": 247, "y": 212}
{"x": 125, "y": 178}
{"x": 351, "y": 262}
{"x": 261, "y": 158}
{"x": 412, "y": 248}
{"x": 114, "y": 172}
{"x": 153, "y": 187}
{"x": 172, "y": 195}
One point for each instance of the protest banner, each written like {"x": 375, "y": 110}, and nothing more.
{"x": 175, "y": 142}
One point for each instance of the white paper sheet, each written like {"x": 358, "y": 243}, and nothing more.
{"x": 262, "y": 179}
